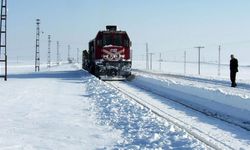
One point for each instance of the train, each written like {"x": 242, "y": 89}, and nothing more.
{"x": 109, "y": 55}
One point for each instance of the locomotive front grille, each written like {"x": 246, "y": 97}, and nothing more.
{"x": 112, "y": 68}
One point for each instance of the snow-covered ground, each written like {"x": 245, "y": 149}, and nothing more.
{"x": 67, "y": 108}
{"x": 207, "y": 92}
{"x": 49, "y": 110}
{"x": 219, "y": 134}
{"x": 215, "y": 95}
{"x": 206, "y": 70}
{"x": 141, "y": 129}
{"x": 208, "y": 89}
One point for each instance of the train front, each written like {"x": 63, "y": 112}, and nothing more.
{"x": 114, "y": 54}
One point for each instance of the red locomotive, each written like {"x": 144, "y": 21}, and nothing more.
{"x": 109, "y": 55}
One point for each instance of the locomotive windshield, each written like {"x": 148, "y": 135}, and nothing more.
{"x": 109, "y": 39}
{"x": 118, "y": 40}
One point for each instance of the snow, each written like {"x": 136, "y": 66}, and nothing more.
{"x": 207, "y": 70}
{"x": 49, "y": 110}
{"x": 141, "y": 129}
{"x": 207, "y": 90}
{"x": 64, "y": 107}
{"x": 217, "y": 98}
{"x": 220, "y": 133}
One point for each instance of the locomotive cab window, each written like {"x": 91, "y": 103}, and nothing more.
{"x": 118, "y": 40}
{"x": 107, "y": 39}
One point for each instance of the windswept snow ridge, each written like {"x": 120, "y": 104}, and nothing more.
{"x": 140, "y": 128}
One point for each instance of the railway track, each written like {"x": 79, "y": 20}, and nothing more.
{"x": 223, "y": 117}
{"x": 197, "y": 133}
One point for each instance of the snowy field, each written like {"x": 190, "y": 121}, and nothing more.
{"x": 206, "y": 70}
{"x": 208, "y": 90}
{"x": 49, "y": 110}
{"x": 66, "y": 108}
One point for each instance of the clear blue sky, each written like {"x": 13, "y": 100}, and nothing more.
{"x": 169, "y": 26}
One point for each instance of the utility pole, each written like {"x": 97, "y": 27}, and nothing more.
{"x": 3, "y": 37}
{"x": 49, "y": 52}
{"x": 185, "y": 61}
{"x": 57, "y": 53}
{"x": 199, "y": 58}
{"x": 160, "y": 60}
{"x": 219, "y": 61}
{"x": 77, "y": 58}
{"x": 37, "y": 52}
{"x": 151, "y": 54}
{"x": 147, "y": 65}
{"x": 69, "y": 60}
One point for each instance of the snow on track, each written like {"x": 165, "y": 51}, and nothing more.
{"x": 213, "y": 132}
{"x": 141, "y": 129}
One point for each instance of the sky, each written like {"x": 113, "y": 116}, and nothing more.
{"x": 170, "y": 27}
